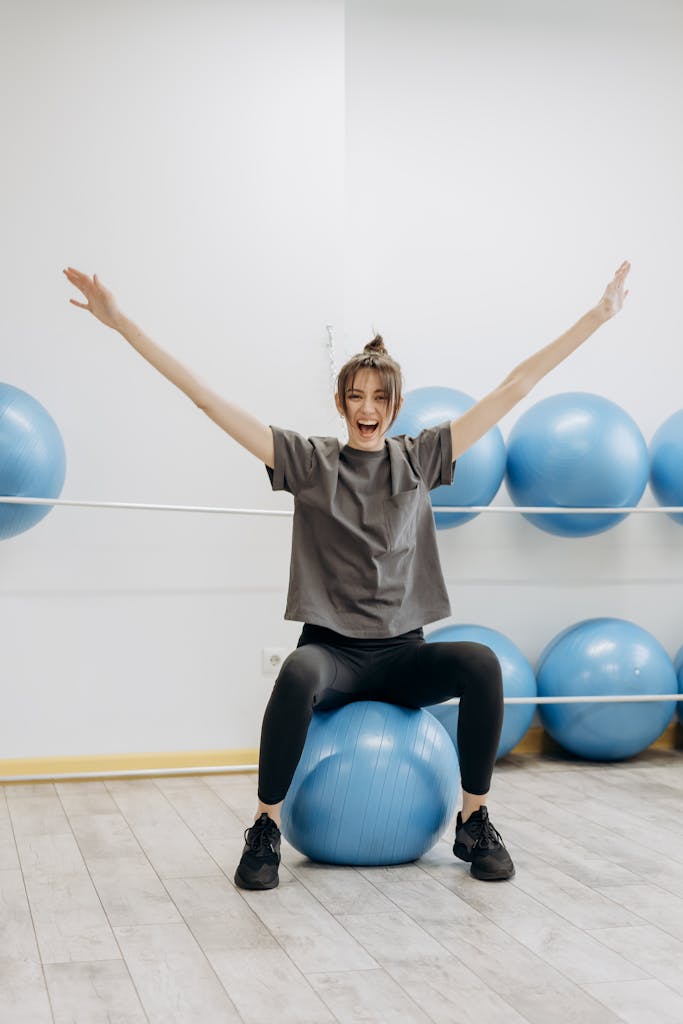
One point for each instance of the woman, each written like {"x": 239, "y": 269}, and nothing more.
{"x": 365, "y": 575}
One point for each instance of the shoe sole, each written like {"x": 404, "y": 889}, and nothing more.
{"x": 484, "y": 877}
{"x": 243, "y": 883}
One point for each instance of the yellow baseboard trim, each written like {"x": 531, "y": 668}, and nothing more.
{"x": 94, "y": 764}
{"x": 536, "y": 742}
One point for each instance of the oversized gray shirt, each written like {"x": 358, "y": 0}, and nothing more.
{"x": 364, "y": 556}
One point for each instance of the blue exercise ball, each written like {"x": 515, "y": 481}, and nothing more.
{"x": 603, "y": 657}
{"x": 678, "y": 668}
{"x": 478, "y": 473}
{"x": 666, "y": 464}
{"x": 518, "y": 681}
{"x": 32, "y": 459}
{"x": 376, "y": 784}
{"x": 576, "y": 450}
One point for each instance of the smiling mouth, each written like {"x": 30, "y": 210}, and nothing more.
{"x": 367, "y": 430}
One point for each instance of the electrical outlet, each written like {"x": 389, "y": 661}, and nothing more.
{"x": 271, "y": 659}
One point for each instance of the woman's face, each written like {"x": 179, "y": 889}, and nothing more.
{"x": 367, "y": 403}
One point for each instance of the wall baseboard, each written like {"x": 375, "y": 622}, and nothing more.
{"x": 87, "y": 766}
{"x": 536, "y": 742}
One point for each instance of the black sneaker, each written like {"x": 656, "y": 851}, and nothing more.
{"x": 479, "y": 842}
{"x": 261, "y": 855}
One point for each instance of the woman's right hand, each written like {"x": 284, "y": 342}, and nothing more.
{"x": 613, "y": 298}
{"x": 101, "y": 303}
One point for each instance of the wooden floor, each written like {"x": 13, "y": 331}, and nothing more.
{"x": 117, "y": 904}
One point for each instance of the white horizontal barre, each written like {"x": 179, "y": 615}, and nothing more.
{"x": 606, "y": 699}
{"x": 126, "y": 773}
{"x": 147, "y": 508}
{"x": 467, "y": 509}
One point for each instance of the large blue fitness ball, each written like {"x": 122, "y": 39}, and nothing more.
{"x": 376, "y": 784}
{"x": 666, "y": 464}
{"x": 479, "y": 472}
{"x": 576, "y": 450}
{"x": 518, "y": 681}
{"x": 32, "y": 459}
{"x": 605, "y": 657}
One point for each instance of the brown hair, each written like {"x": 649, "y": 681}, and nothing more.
{"x": 373, "y": 357}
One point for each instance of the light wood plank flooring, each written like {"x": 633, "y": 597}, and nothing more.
{"x": 117, "y": 904}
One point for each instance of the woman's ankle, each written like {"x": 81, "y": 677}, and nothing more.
{"x": 471, "y": 802}
{"x": 272, "y": 810}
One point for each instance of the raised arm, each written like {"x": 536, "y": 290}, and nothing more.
{"x": 473, "y": 424}
{"x": 253, "y": 435}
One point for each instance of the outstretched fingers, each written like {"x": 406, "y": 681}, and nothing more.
{"x": 77, "y": 275}
{"x": 99, "y": 300}
{"x": 81, "y": 280}
{"x": 620, "y": 278}
{"x": 614, "y": 295}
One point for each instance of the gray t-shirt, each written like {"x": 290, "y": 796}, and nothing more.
{"x": 364, "y": 556}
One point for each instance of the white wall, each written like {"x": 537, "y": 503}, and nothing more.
{"x": 464, "y": 178}
{"x": 192, "y": 154}
{"x": 503, "y": 158}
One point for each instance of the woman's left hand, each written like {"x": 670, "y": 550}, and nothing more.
{"x": 613, "y": 299}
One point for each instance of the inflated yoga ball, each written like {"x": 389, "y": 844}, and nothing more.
{"x": 666, "y": 464}
{"x": 32, "y": 459}
{"x": 605, "y": 657}
{"x": 376, "y": 784}
{"x": 518, "y": 681}
{"x": 576, "y": 450}
{"x": 478, "y": 473}
{"x": 678, "y": 668}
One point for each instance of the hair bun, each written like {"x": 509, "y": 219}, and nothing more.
{"x": 376, "y": 345}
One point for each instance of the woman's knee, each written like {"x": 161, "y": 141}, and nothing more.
{"x": 488, "y": 669}
{"x": 304, "y": 672}
{"x": 478, "y": 664}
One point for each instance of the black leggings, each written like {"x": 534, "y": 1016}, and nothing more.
{"x": 328, "y": 670}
